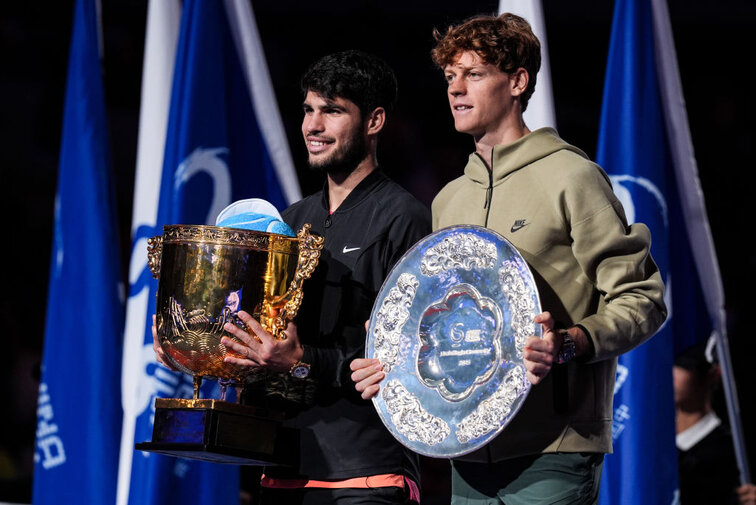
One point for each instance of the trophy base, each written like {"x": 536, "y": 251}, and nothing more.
{"x": 221, "y": 432}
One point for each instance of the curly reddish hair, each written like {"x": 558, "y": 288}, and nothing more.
{"x": 506, "y": 41}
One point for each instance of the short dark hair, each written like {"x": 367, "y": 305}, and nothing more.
{"x": 506, "y": 41}
{"x": 361, "y": 78}
{"x": 699, "y": 358}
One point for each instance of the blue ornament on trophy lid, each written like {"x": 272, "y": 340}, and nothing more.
{"x": 254, "y": 214}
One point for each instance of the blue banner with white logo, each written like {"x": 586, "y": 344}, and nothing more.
{"x": 215, "y": 153}
{"x": 634, "y": 148}
{"x": 78, "y": 413}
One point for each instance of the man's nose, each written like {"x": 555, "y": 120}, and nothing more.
{"x": 314, "y": 123}
{"x": 457, "y": 87}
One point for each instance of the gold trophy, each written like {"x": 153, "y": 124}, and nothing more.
{"x": 206, "y": 275}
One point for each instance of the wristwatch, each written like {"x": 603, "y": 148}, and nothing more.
{"x": 300, "y": 370}
{"x": 567, "y": 350}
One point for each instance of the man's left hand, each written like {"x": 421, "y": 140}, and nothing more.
{"x": 541, "y": 353}
{"x": 258, "y": 348}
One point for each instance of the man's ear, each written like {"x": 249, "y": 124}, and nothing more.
{"x": 375, "y": 121}
{"x": 518, "y": 80}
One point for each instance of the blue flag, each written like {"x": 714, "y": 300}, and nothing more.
{"x": 78, "y": 413}
{"x": 218, "y": 149}
{"x": 639, "y": 154}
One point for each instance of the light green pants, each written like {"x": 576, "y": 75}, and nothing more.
{"x": 552, "y": 478}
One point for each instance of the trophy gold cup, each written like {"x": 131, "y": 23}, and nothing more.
{"x": 206, "y": 275}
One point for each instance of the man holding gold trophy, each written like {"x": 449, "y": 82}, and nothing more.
{"x": 345, "y": 454}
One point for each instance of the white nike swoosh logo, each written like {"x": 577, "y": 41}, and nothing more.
{"x": 349, "y": 249}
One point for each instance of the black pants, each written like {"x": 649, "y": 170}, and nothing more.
{"x": 345, "y": 496}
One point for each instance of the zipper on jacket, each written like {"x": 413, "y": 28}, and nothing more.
{"x": 489, "y": 190}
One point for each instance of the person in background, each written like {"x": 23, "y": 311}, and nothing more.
{"x": 705, "y": 455}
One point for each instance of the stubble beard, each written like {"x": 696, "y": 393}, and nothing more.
{"x": 345, "y": 160}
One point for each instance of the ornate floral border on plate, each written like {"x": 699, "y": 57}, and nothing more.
{"x": 450, "y": 325}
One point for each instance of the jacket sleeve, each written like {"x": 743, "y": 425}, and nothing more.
{"x": 616, "y": 258}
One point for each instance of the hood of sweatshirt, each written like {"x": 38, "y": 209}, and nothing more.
{"x": 512, "y": 157}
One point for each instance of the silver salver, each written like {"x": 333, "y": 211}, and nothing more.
{"x": 450, "y": 325}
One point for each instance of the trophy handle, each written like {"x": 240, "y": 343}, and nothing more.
{"x": 309, "y": 253}
{"x": 154, "y": 253}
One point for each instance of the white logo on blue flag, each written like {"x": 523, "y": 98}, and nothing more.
{"x": 625, "y": 185}
{"x": 207, "y": 161}
{"x": 48, "y": 439}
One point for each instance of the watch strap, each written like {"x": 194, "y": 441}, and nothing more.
{"x": 567, "y": 349}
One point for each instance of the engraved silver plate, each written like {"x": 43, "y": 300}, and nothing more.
{"x": 449, "y": 326}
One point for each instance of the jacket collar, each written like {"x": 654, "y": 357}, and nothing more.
{"x": 520, "y": 153}
{"x": 364, "y": 188}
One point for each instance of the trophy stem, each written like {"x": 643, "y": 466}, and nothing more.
{"x": 197, "y": 384}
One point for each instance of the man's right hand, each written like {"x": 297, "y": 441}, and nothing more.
{"x": 159, "y": 353}
{"x": 367, "y": 374}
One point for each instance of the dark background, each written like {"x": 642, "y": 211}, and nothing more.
{"x": 420, "y": 147}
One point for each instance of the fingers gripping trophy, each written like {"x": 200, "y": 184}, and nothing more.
{"x": 213, "y": 282}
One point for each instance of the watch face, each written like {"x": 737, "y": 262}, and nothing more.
{"x": 301, "y": 371}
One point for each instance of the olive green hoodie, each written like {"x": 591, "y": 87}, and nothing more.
{"x": 592, "y": 269}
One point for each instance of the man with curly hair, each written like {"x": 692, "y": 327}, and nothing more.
{"x": 596, "y": 279}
